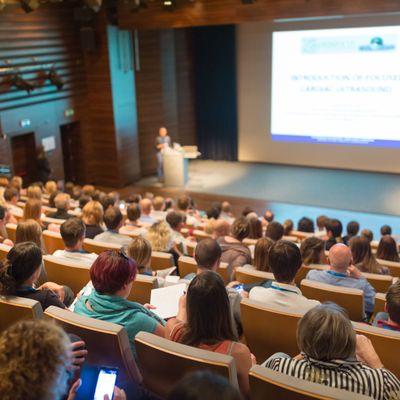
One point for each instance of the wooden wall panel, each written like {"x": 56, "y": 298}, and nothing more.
{"x": 218, "y": 12}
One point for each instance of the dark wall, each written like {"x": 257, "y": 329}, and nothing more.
{"x": 215, "y": 91}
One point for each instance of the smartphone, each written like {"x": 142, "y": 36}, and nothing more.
{"x": 105, "y": 383}
{"x": 239, "y": 288}
{"x": 122, "y": 205}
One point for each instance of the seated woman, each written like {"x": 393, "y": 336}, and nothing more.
{"x": 363, "y": 258}
{"x": 234, "y": 252}
{"x": 33, "y": 210}
{"x": 387, "y": 249}
{"x": 30, "y": 231}
{"x": 112, "y": 276}
{"x": 312, "y": 251}
{"x": 196, "y": 326}
{"x": 20, "y": 271}
{"x": 333, "y": 355}
{"x": 92, "y": 216}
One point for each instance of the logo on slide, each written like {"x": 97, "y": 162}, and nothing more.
{"x": 377, "y": 44}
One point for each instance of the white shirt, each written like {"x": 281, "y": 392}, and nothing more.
{"x": 282, "y": 295}
{"x": 15, "y": 210}
{"x": 113, "y": 237}
{"x": 158, "y": 215}
{"x": 81, "y": 258}
{"x": 133, "y": 230}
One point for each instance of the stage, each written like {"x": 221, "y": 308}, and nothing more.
{"x": 294, "y": 192}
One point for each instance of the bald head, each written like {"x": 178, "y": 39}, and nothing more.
{"x": 145, "y": 206}
{"x": 221, "y": 228}
{"x": 340, "y": 257}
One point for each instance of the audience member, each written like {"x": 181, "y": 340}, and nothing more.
{"x": 387, "y": 249}
{"x": 320, "y": 230}
{"x": 213, "y": 213}
{"x": 20, "y": 271}
{"x": 89, "y": 190}
{"x": 73, "y": 234}
{"x": 202, "y": 385}
{"x": 334, "y": 231}
{"x": 145, "y": 209}
{"x": 333, "y": 355}
{"x": 226, "y": 212}
{"x": 35, "y": 362}
{"x": 169, "y": 204}
{"x": 312, "y": 251}
{"x": 82, "y": 201}
{"x": 363, "y": 258}
{"x": 92, "y": 217}
{"x": 139, "y": 249}
{"x": 33, "y": 210}
{"x": 196, "y": 326}
{"x": 287, "y": 227}
{"x": 113, "y": 221}
{"x": 34, "y": 192}
{"x": 112, "y": 276}
{"x": 268, "y": 216}
{"x": 343, "y": 273}
{"x": 221, "y": 228}
{"x": 284, "y": 261}
{"x": 109, "y": 201}
{"x": 176, "y": 220}
{"x": 184, "y": 204}
{"x": 234, "y": 252}
{"x": 261, "y": 251}
{"x": 132, "y": 225}
{"x": 52, "y": 199}
{"x": 50, "y": 187}
{"x": 305, "y": 225}
{"x": 158, "y": 212}
{"x": 248, "y": 210}
{"x": 11, "y": 198}
{"x": 274, "y": 231}
{"x": 367, "y": 234}
{"x": 4, "y": 220}
{"x": 255, "y": 228}
{"x": 386, "y": 230}
{"x": 352, "y": 230}
{"x": 62, "y": 204}
{"x": 390, "y": 319}
{"x": 68, "y": 188}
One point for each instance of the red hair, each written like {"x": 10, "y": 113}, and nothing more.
{"x": 111, "y": 271}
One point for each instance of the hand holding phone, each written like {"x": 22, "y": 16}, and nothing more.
{"x": 105, "y": 383}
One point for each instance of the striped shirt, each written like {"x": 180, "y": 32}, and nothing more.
{"x": 378, "y": 383}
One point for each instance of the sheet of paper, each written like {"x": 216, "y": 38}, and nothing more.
{"x": 167, "y": 300}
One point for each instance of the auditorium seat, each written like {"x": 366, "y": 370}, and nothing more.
{"x": 305, "y": 269}
{"x": 269, "y": 330}
{"x": 380, "y": 300}
{"x": 350, "y": 299}
{"x": 164, "y": 362}
{"x": 13, "y": 309}
{"x": 67, "y": 273}
{"x": 48, "y": 221}
{"x": 160, "y": 260}
{"x": 53, "y": 241}
{"x": 301, "y": 235}
{"x": 93, "y": 246}
{"x": 4, "y": 249}
{"x": 200, "y": 235}
{"x": 187, "y": 265}
{"x": 11, "y": 231}
{"x": 141, "y": 288}
{"x": 379, "y": 282}
{"x": 107, "y": 343}
{"x": 190, "y": 248}
{"x": 385, "y": 342}
{"x": 249, "y": 242}
{"x": 394, "y": 267}
{"x": 48, "y": 210}
{"x": 291, "y": 238}
{"x": 249, "y": 276}
{"x": 268, "y": 384}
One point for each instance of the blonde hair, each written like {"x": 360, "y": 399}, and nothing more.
{"x": 33, "y": 210}
{"x": 160, "y": 237}
{"x": 34, "y": 360}
{"x": 88, "y": 190}
{"x": 29, "y": 231}
{"x": 34, "y": 192}
{"x": 3, "y": 181}
{"x": 158, "y": 203}
{"x": 62, "y": 201}
{"x": 140, "y": 250}
{"x": 92, "y": 213}
{"x": 51, "y": 187}
{"x": 16, "y": 181}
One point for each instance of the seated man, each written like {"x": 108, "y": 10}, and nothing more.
{"x": 132, "y": 225}
{"x": 73, "y": 234}
{"x": 390, "y": 319}
{"x": 62, "y": 204}
{"x": 11, "y": 197}
{"x": 274, "y": 231}
{"x": 284, "y": 261}
{"x": 158, "y": 212}
{"x": 113, "y": 221}
{"x": 343, "y": 273}
{"x": 145, "y": 209}
{"x": 334, "y": 231}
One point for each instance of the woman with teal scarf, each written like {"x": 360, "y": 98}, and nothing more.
{"x": 112, "y": 276}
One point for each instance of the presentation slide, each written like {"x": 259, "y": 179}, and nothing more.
{"x": 336, "y": 86}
